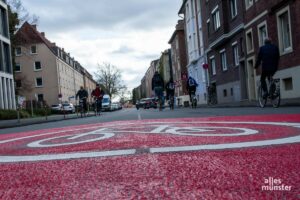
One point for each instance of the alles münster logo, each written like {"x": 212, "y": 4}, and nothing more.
{"x": 272, "y": 184}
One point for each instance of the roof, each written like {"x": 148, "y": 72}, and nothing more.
{"x": 28, "y": 34}
{"x": 181, "y": 10}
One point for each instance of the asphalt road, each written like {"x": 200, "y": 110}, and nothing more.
{"x": 206, "y": 153}
{"x": 133, "y": 114}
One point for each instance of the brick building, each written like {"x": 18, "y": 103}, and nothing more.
{"x": 179, "y": 60}
{"x": 234, "y": 32}
{"x": 278, "y": 20}
{"x": 223, "y": 40}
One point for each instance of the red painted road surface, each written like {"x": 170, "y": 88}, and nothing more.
{"x": 244, "y": 157}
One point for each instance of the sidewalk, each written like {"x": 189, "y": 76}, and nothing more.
{"x": 38, "y": 120}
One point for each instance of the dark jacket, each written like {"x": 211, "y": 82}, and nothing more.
{"x": 81, "y": 94}
{"x": 191, "y": 87}
{"x": 268, "y": 56}
{"x": 157, "y": 81}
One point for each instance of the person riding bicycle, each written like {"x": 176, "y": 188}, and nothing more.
{"x": 158, "y": 86}
{"x": 83, "y": 95}
{"x": 191, "y": 87}
{"x": 170, "y": 88}
{"x": 268, "y": 57}
{"x": 98, "y": 94}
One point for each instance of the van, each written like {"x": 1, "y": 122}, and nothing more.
{"x": 106, "y": 103}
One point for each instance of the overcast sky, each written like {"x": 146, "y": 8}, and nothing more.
{"x": 127, "y": 33}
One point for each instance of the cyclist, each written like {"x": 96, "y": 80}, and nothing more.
{"x": 170, "y": 88}
{"x": 83, "y": 95}
{"x": 158, "y": 87}
{"x": 268, "y": 57}
{"x": 191, "y": 87}
{"x": 98, "y": 94}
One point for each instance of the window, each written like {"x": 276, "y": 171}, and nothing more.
{"x": 216, "y": 18}
{"x": 40, "y": 97}
{"x": 233, "y": 7}
{"x": 39, "y": 82}
{"x": 288, "y": 84}
{"x": 223, "y": 60}
{"x": 249, "y": 3}
{"x": 213, "y": 65}
{"x": 262, "y": 33}
{"x": 33, "y": 50}
{"x": 208, "y": 27}
{"x": 284, "y": 31}
{"x": 4, "y": 26}
{"x": 17, "y": 67}
{"x": 18, "y": 51}
{"x": 235, "y": 52}
{"x": 18, "y": 83}
{"x": 249, "y": 41}
{"x": 7, "y": 58}
{"x": 225, "y": 93}
{"x": 37, "y": 66}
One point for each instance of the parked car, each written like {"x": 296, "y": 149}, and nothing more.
{"x": 57, "y": 108}
{"x": 114, "y": 106}
{"x": 147, "y": 103}
{"x": 68, "y": 108}
{"x": 106, "y": 103}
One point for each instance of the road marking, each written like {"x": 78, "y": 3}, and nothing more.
{"x": 25, "y": 158}
{"x": 289, "y": 140}
{"x": 9, "y": 159}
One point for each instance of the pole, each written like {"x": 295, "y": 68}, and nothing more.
{"x": 31, "y": 106}
{"x": 18, "y": 114}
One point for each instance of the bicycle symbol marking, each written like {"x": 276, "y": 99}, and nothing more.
{"x": 177, "y": 129}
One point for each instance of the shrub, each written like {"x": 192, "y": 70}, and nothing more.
{"x": 12, "y": 114}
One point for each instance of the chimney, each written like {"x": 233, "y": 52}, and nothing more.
{"x": 34, "y": 26}
{"x": 43, "y": 34}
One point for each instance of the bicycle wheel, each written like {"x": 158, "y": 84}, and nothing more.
{"x": 275, "y": 98}
{"x": 261, "y": 100}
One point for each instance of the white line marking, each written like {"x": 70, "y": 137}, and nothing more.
{"x": 9, "y": 159}
{"x": 289, "y": 140}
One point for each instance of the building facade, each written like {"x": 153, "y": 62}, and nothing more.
{"x": 154, "y": 65}
{"x": 224, "y": 45}
{"x": 179, "y": 60}
{"x": 45, "y": 72}
{"x": 191, "y": 9}
{"x": 279, "y": 21}
{"x": 234, "y": 32}
{"x": 7, "y": 88}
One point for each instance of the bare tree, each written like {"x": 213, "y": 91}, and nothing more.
{"x": 110, "y": 77}
{"x": 16, "y": 6}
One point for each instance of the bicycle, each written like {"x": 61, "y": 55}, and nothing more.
{"x": 97, "y": 107}
{"x": 194, "y": 100}
{"x": 212, "y": 96}
{"x": 273, "y": 93}
{"x": 81, "y": 107}
{"x": 171, "y": 102}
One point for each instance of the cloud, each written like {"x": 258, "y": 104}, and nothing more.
{"x": 123, "y": 50}
{"x": 128, "y": 34}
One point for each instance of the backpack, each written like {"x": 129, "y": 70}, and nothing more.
{"x": 191, "y": 82}
{"x": 171, "y": 86}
